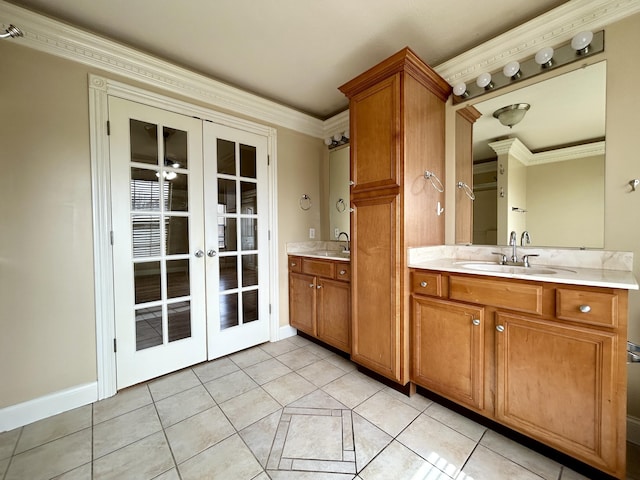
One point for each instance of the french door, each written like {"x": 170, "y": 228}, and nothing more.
{"x": 186, "y": 240}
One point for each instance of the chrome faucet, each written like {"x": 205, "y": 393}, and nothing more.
{"x": 525, "y": 239}
{"x": 348, "y": 247}
{"x": 513, "y": 242}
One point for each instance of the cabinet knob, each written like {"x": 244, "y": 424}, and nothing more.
{"x": 319, "y": 287}
{"x": 585, "y": 308}
{"x": 351, "y": 183}
{"x": 423, "y": 284}
{"x": 293, "y": 264}
{"x": 342, "y": 272}
{"x": 500, "y": 328}
{"x": 311, "y": 285}
{"x": 476, "y": 321}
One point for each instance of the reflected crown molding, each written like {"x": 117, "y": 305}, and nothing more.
{"x": 515, "y": 148}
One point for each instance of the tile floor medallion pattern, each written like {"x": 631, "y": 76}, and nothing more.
{"x": 289, "y": 410}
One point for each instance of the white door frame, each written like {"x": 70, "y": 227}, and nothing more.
{"x": 100, "y": 88}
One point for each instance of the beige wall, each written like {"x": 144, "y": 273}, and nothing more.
{"x": 622, "y": 209}
{"x": 47, "y": 324}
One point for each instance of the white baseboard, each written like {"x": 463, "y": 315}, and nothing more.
{"x": 286, "y": 331}
{"x": 633, "y": 430}
{"x": 30, "y": 411}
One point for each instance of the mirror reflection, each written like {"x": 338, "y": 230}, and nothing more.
{"x": 339, "y": 192}
{"x": 545, "y": 174}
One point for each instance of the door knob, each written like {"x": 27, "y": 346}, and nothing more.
{"x": 199, "y": 253}
{"x": 211, "y": 253}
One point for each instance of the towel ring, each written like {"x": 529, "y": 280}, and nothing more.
{"x": 467, "y": 190}
{"x": 437, "y": 184}
{"x": 305, "y": 202}
{"x": 340, "y": 205}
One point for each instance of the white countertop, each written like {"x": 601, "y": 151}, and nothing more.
{"x": 445, "y": 259}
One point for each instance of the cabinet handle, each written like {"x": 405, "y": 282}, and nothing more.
{"x": 423, "y": 284}
{"x": 476, "y": 321}
{"x": 585, "y": 308}
{"x": 500, "y": 328}
{"x": 311, "y": 285}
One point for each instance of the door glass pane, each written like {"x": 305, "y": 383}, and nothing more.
{"x": 247, "y": 161}
{"x": 228, "y": 310}
{"x": 179, "y": 320}
{"x": 175, "y": 148}
{"x": 146, "y": 235}
{"x": 226, "y": 157}
{"x": 175, "y": 192}
{"x": 229, "y": 234}
{"x": 144, "y": 142}
{"x": 248, "y": 193}
{"x": 177, "y": 278}
{"x": 228, "y": 273}
{"x": 147, "y": 282}
{"x": 177, "y": 234}
{"x": 148, "y": 327}
{"x": 145, "y": 189}
{"x": 249, "y": 233}
{"x": 249, "y": 270}
{"x": 249, "y": 306}
{"x": 227, "y": 195}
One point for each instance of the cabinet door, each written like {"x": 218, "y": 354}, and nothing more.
{"x": 375, "y": 283}
{"x": 302, "y": 302}
{"x": 557, "y": 383}
{"x": 375, "y": 128}
{"x": 334, "y": 312}
{"x": 448, "y": 349}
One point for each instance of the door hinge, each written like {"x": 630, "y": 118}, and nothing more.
{"x": 115, "y": 346}
{"x": 269, "y": 309}
{"x": 268, "y": 234}
{"x": 111, "y": 237}
{"x": 268, "y": 160}
{"x": 108, "y": 127}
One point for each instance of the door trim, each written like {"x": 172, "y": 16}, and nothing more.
{"x": 100, "y": 88}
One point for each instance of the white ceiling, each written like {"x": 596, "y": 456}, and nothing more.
{"x": 295, "y": 52}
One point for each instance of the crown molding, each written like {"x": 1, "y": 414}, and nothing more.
{"x": 56, "y": 38}
{"x": 554, "y": 27}
{"x": 518, "y": 150}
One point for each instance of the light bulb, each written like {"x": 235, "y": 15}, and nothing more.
{"x": 337, "y": 137}
{"x": 581, "y": 41}
{"x": 346, "y": 134}
{"x": 484, "y": 81}
{"x": 328, "y": 141}
{"x": 512, "y": 70}
{"x": 460, "y": 89}
{"x": 544, "y": 57}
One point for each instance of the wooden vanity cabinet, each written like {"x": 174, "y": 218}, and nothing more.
{"x": 397, "y": 122}
{"x": 320, "y": 299}
{"x": 547, "y": 367}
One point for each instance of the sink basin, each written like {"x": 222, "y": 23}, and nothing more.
{"x": 329, "y": 253}
{"x": 494, "y": 267}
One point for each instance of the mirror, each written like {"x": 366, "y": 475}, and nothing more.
{"x": 339, "y": 202}
{"x": 544, "y": 175}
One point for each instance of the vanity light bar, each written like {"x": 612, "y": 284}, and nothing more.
{"x": 551, "y": 58}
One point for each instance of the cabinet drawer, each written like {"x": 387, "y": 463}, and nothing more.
{"x": 295, "y": 264}
{"x": 343, "y": 272}
{"x": 522, "y": 297}
{"x": 425, "y": 283}
{"x": 318, "y": 267}
{"x": 584, "y": 306}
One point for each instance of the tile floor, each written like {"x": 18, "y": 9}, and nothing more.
{"x": 285, "y": 410}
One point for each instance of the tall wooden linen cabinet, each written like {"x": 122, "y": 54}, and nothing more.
{"x": 397, "y": 132}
